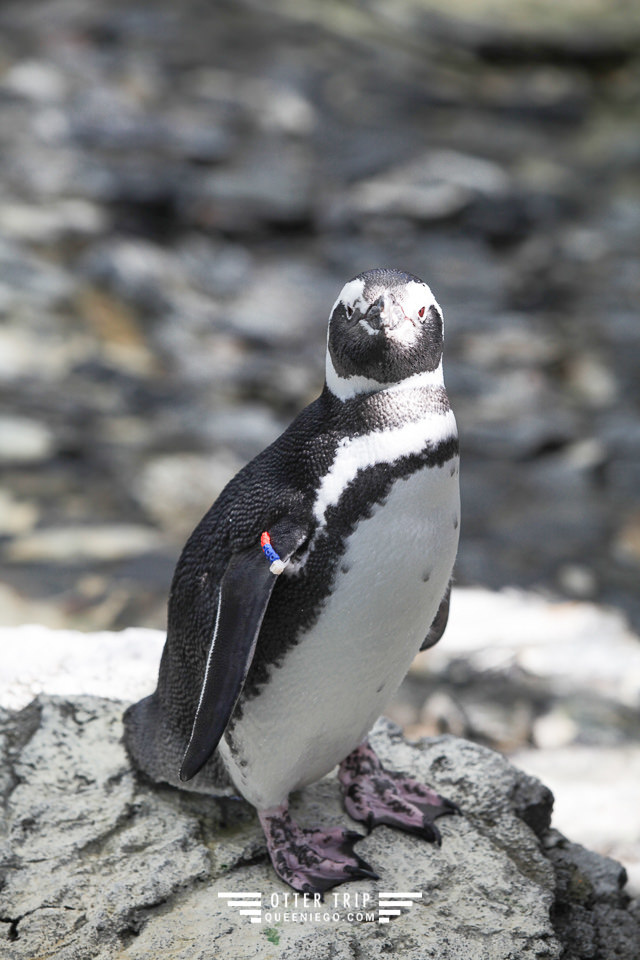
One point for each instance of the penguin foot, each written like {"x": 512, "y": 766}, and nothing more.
{"x": 311, "y": 861}
{"x": 377, "y": 796}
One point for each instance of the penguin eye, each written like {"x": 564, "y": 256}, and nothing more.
{"x": 421, "y": 312}
{"x": 349, "y": 311}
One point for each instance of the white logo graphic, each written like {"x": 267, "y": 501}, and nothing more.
{"x": 291, "y": 907}
{"x": 389, "y": 903}
{"x": 250, "y": 904}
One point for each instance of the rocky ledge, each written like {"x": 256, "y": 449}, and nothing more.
{"x": 98, "y": 863}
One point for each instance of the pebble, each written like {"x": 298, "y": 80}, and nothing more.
{"x": 554, "y": 729}
{"x": 36, "y": 80}
{"x": 136, "y": 270}
{"x": 272, "y": 105}
{"x": 116, "y": 327}
{"x": 16, "y": 516}
{"x": 56, "y": 221}
{"x": 28, "y": 279}
{"x": 504, "y": 725}
{"x": 23, "y": 440}
{"x": 283, "y": 303}
{"x": 419, "y": 201}
{"x": 87, "y": 542}
{"x": 176, "y": 491}
{"x": 18, "y": 609}
{"x": 218, "y": 269}
{"x": 515, "y": 342}
{"x": 271, "y": 185}
{"x": 441, "y": 713}
{"x": 627, "y": 540}
{"x": 592, "y": 381}
{"x": 246, "y": 430}
{"x": 577, "y": 581}
{"x": 437, "y": 186}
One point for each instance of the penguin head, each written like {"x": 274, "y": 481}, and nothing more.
{"x": 385, "y": 327}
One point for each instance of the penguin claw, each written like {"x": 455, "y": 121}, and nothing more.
{"x": 377, "y": 796}
{"x": 363, "y": 871}
{"x": 312, "y": 861}
{"x": 353, "y": 835}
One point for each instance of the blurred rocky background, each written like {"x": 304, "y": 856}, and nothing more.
{"x": 183, "y": 191}
{"x": 184, "y": 188}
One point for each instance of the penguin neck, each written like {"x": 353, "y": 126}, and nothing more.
{"x": 386, "y": 406}
{"x": 348, "y": 388}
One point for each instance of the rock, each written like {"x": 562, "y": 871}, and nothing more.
{"x": 79, "y": 543}
{"x": 569, "y": 645}
{"x": 120, "y": 666}
{"x": 115, "y": 326}
{"x": 27, "y": 279}
{"x": 24, "y": 440}
{"x": 516, "y": 341}
{"x": 178, "y": 490}
{"x": 436, "y": 186}
{"x": 52, "y": 906}
{"x": 271, "y": 311}
{"x": 218, "y": 269}
{"x": 18, "y": 609}
{"x": 136, "y": 270}
{"x": 271, "y": 185}
{"x": 543, "y": 92}
{"x": 596, "y": 792}
{"x": 35, "y": 80}
{"x": 271, "y": 105}
{"x": 592, "y": 381}
{"x": 598, "y": 36}
{"x": 504, "y": 725}
{"x": 34, "y": 347}
{"x": 440, "y": 713}
{"x": 62, "y": 219}
{"x": 245, "y": 430}
{"x": 137, "y": 871}
{"x": 627, "y": 541}
{"x": 16, "y": 516}
{"x": 554, "y": 729}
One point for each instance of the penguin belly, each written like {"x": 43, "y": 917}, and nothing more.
{"x": 324, "y": 696}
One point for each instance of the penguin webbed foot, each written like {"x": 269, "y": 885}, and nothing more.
{"x": 378, "y": 796}
{"x": 312, "y": 861}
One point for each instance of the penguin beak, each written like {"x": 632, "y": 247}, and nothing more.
{"x": 384, "y": 313}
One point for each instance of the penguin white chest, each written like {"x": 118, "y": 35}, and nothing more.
{"x": 330, "y": 688}
{"x": 396, "y": 568}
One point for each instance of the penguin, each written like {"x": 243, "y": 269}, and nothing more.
{"x": 303, "y": 595}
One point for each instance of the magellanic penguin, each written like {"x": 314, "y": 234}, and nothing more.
{"x": 301, "y": 598}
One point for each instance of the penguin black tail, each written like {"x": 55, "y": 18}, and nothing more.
{"x": 156, "y": 750}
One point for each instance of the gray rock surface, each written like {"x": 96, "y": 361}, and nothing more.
{"x": 97, "y": 863}
{"x": 553, "y": 685}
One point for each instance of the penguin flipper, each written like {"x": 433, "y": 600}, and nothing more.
{"x": 245, "y": 590}
{"x": 439, "y": 624}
